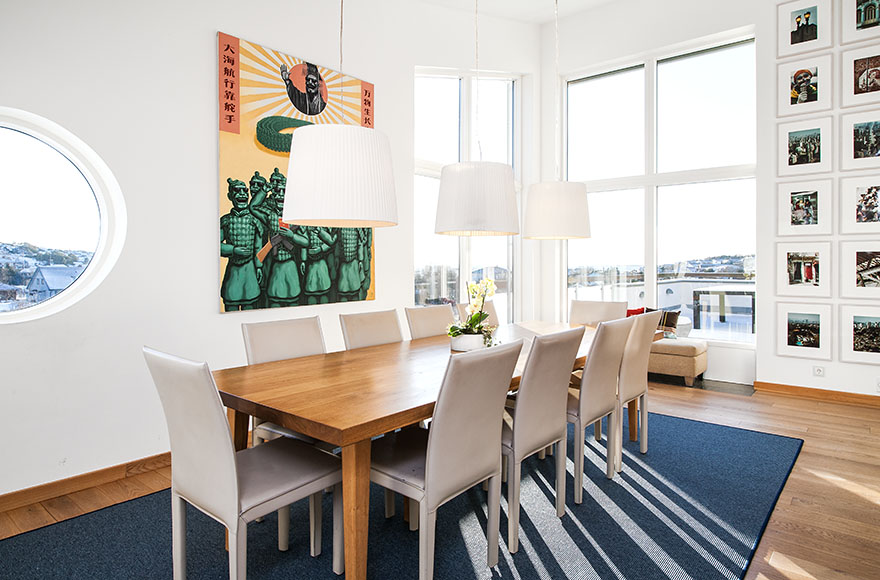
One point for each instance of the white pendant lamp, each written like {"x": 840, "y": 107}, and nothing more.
{"x": 557, "y": 210}
{"x": 340, "y": 175}
{"x": 477, "y": 198}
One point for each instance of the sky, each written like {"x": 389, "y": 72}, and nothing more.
{"x": 45, "y": 199}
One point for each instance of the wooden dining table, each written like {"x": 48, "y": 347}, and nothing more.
{"x": 348, "y": 397}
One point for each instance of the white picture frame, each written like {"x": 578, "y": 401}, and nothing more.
{"x": 849, "y": 30}
{"x": 851, "y": 152}
{"x": 803, "y": 269}
{"x": 790, "y": 161}
{"x": 860, "y": 76}
{"x": 859, "y": 346}
{"x": 796, "y": 332}
{"x": 860, "y": 269}
{"x": 804, "y": 208}
{"x": 786, "y": 15}
{"x": 858, "y": 215}
{"x": 819, "y": 95}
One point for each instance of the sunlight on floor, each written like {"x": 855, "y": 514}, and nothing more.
{"x": 796, "y": 569}
{"x": 872, "y": 495}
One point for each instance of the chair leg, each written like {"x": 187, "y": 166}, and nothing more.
{"x": 338, "y": 526}
{"x": 560, "y": 474}
{"x": 643, "y": 428}
{"x": 426, "y": 541}
{"x": 611, "y": 448}
{"x": 178, "y": 536}
{"x": 549, "y": 450}
{"x": 542, "y": 454}
{"x": 413, "y": 515}
{"x": 284, "y": 528}
{"x": 389, "y": 503}
{"x": 597, "y": 430}
{"x": 315, "y": 520}
{"x": 238, "y": 552}
{"x": 579, "y": 461}
{"x": 513, "y": 481}
{"x": 504, "y": 469}
{"x": 493, "y": 522}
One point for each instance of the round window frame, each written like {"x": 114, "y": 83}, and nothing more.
{"x": 113, "y": 219}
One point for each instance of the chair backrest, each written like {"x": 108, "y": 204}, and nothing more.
{"x": 634, "y": 367}
{"x": 464, "y": 444}
{"x": 202, "y": 456}
{"x": 488, "y": 308}
{"x": 427, "y": 321}
{"x": 370, "y": 328}
{"x": 598, "y": 395}
{"x": 593, "y": 312}
{"x": 539, "y": 417}
{"x": 281, "y": 339}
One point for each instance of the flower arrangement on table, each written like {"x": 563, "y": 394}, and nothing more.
{"x": 476, "y": 316}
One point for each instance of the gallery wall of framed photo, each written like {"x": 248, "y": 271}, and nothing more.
{"x": 827, "y": 258}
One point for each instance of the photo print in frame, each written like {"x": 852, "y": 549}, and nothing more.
{"x": 860, "y": 269}
{"x": 860, "y": 140}
{"x": 804, "y": 147}
{"x": 803, "y": 269}
{"x": 860, "y": 334}
{"x": 803, "y": 26}
{"x": 860, "y": 20}
{"x": 860, "y": 205}
{"x": 804, "y": 208}
{"x": 860, "y": 76}
{"x": 804, "y": 330}
{"x": 804, "y": 86}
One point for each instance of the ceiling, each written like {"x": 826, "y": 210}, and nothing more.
{"x": 534, "y": 11}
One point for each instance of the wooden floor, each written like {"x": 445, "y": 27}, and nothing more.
{"x": 826, "y": 525}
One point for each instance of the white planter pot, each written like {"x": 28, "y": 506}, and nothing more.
{"x": 466, "y": 342}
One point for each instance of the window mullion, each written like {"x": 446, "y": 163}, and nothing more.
{"x": 650, "y": 191}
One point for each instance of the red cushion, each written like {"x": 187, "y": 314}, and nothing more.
{"x": 634, "y": 311}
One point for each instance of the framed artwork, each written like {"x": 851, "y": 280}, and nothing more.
{"x": 803, "y": 269}
{"x": 804, "y": 86}
{"x": 859, "y": 20}
{"x": 264, "y": 97}
{"x": 860, "y": 205}
{"x": 860, "y": 138}
{"x": 805, "y": 147}
{"x": 860, "y": 76}
{"x": 803, "y": 330}
{"x": 804, "y": 208}
{"x": 803, "y": 26}
{"x": 860, "y": 334}
{"x": 860, "y": 269}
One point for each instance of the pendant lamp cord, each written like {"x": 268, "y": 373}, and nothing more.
{"x": 477, "y": 77}
{"x": 557, "y": 134}
{"x": 341, "y": 12}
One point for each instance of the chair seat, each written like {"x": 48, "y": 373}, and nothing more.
{"x": 400, "y": 457}
{"x": 271, "y": 430}
{"x": 267, "y": 471}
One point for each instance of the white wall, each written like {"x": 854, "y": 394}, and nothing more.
{"x": 137, "y": 82}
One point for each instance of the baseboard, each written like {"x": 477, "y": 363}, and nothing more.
{"x": 819, "y": 394}
{"x": 31, "y": 495}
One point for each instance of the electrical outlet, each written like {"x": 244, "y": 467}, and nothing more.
{"x": 818, "y": 371}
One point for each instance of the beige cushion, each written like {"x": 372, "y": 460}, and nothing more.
{"x": 679, "y": 346}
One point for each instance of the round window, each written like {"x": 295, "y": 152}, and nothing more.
{"x": 63, "y": 219}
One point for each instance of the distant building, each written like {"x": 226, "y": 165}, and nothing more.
{"x": 7, "y": 292}
{"x": 48, "y": 281}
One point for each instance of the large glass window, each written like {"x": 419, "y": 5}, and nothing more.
{"x": 697, "y": 189}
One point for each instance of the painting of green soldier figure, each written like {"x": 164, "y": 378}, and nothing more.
{"x": 240, "y": 233}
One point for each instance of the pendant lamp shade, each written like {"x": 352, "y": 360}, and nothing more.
{"x": 557, "y": 210}
{"x": 477, "y": 198}
{"x": 340, "y": 176}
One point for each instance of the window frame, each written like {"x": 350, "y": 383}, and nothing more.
{"x": 651, "y": 180}
{"x": 108, "y": 196}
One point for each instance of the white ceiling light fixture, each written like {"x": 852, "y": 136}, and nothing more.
{"x": 557, "y": 210}
{"x": 340, "y": 175}
{"x": 477, "y": 198}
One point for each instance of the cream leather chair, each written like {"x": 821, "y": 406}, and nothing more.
{"x": 462, "y": 448}
{"x": 233, "y": 487}
{"x": 538, "y": 419}
{"x": 592, "y": 312}
{"x": 597, "y": 396}
{"x": 488, "y": 308}
{"x": 370, "y": 328}
{"x": 633, "y": 382}
{"x": 278, "y": 340}
{"x": 425, "y": 321}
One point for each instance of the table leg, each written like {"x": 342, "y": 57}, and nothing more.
{"x": 633, "y": 408}
{"x": 356, "y": 507}
{"x": 238, "y": 423}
